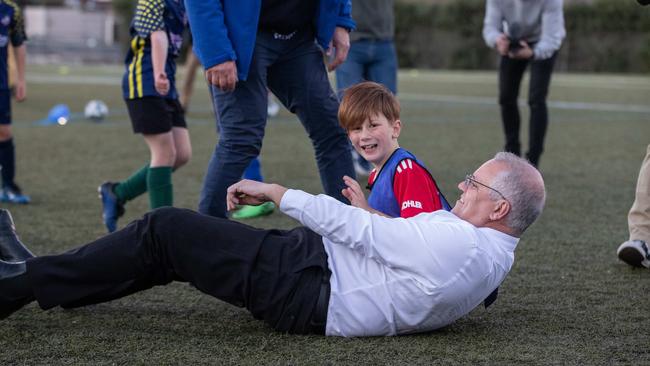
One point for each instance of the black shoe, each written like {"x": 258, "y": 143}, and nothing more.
{"x": 11, "y": 249}
{"x": 15, "y": 291}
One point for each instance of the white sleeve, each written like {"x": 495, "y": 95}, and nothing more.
{"x": 553, "y": 31}
{"x": 396, "y": 242}
{"x": 493, "y": 23}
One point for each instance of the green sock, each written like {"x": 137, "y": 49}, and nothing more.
{"x": 159, "y": 184}
{"x": 133, "y": 186}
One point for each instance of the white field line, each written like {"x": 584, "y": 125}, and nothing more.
{"x": 452, "y": 99}
{"x": 492, "y": 102}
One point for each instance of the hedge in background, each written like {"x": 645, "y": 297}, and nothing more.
{"x": 609, "y": 35}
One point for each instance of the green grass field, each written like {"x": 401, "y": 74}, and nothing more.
{"x": 567, "y": 300}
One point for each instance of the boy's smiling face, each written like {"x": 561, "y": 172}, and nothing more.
{"x": 376, "y": 139}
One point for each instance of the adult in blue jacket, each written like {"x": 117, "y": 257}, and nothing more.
{"x": 247, "y": 46}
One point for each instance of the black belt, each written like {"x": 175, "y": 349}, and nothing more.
{"x": 319, "y": 316}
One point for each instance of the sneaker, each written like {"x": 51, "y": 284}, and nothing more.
{"x": 13, "y": 194}
{"x": 635, "y": 253}
{"x": 249, "y": 212}
{"x": 112, "y": 208}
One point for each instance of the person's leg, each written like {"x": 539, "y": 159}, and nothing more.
{"x": 261, "y": 270}
{"x": 510, "y": 74}
{"x": 11, "y": 192}
{"x": 133, "y": 186}
{"x": 352, "y": 71}
{"x": 182, "y": 145}
{"x": 191, "y": 65}
{"x": 635, "y": 251}
{"x": 383, "y": 68}
{"x": 540, "y": 79}
{"x": 153, "y": 117}
{"x": 638, "y": 218}
{"x": 7, "y": 155}
{"x": 159, "y": 175}
{"x": 241, "y": 118}
{"x": 254, "y": 171}
{"x": 299, "y": 80}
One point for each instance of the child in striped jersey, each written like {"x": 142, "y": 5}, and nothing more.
{"x": 149, "y": 90}
{"x": 400, "y": 185}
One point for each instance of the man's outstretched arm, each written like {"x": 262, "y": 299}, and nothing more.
{"x": 250, "y": 192}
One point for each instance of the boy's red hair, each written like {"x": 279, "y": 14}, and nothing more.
{"x": 366, "y": 100}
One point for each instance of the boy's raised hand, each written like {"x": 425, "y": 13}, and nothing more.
{"x": 354, "y": 194}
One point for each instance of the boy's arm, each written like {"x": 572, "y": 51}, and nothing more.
{"x": 357, "y": 198}
{"x": 414, "y": 189}
{"x": 148, "y": 22}
{"x": 20, "y": 54}
{"x": 159, "y": 46}
{"x": 18, "y": 37}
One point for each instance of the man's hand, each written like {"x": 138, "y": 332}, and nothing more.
{"x": 503, "y": 44}
{"x": 21, "y": 91}
{"x": 223, "y": 76}
{"x": 341, "y": 44}
{"x": 522, "y": 53}
{"x": 250, "y": 192}
{"x": 161, "y": 83}
{"x": 354, "y": 193}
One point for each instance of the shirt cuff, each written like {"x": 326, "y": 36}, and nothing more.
{"x": 293, "y": 199}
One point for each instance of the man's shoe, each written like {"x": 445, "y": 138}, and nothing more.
{"x": 13, "y": 194}
{"x": 11, "y": 249}
{"x": 249, "y": 212}
{"x": 635, "y": 253}
{"x": 112, "y": 208}
{"x": 15, "y": 291}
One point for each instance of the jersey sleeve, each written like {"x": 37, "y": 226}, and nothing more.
{"x": 149, "y": 17}
{"x": 17, "y": 27}
{"x": 414, "y": 189}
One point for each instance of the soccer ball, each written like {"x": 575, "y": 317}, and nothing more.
{"x": 96, "y": 110}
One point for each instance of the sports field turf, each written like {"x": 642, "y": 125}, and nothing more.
{"x": 567, "y": 300}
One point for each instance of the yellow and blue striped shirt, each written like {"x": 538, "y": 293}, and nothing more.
{"x": 151, "y": 16}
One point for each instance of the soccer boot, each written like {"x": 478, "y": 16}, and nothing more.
{"x": 112, "y": 208}
{"x": 13, "y": 194}
{"x": 249, "y": 212}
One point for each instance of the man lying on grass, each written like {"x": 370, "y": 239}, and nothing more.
{"x": 347, "y": 272}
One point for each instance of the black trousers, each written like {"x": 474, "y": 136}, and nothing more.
{"x": 277, "y": 275}
{"x": 511, "y": 72}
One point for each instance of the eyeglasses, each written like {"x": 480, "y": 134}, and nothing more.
{"x": 471, "y": 181}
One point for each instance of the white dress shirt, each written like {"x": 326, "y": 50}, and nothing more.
{"x": 395, "y": 276}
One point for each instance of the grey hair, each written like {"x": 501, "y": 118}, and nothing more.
{"x": 523, "y": 187}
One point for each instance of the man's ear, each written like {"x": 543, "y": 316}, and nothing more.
{"x": 397, "y": 128}
{"x": 500, "y": 211}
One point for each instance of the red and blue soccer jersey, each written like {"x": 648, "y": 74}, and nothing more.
{"x": 151, "y": 16}
{"x": 404, "y": 187}
{"x": 12, "y": 29}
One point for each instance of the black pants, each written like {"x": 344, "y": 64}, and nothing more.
{"x": 277, "y": 275}
{"x": 511, "y": 72}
